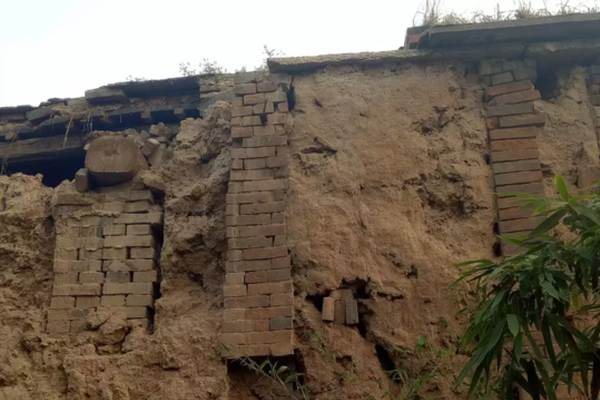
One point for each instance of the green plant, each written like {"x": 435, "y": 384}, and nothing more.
{"x": 206, "y": 67}
{"x": 280, "y": 376}
{"x": 552, "y": 288}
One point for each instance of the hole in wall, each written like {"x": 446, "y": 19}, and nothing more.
{"x": 385, "y": 359}
{"x": 54, "y": 171}
{"x": 497, "y": 249}
{"x": 547, "y": 83}
{"x": 317, "y": 300}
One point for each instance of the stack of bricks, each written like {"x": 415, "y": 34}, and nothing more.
{"x": 513, "y": 127}
{"x": 258, "y": 315}
{"x": 105, "y": 256}
{"x": 341, "y": 308}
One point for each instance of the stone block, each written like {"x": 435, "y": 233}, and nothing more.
{"x": 351, "y": 312}
{"x": 114, "y": 159}
{"x": 118, "y": 277}
{"x": 127, "y": 288}
{"x": 245, "y": 88}
{"x": 514, "y": 155}
{"x": 112, "y": 301}
{"x": 149, "y": 147}
{"x": 89, "y": 289}
{"x": 510, "y": 109}
{"x": 62, "y": 302}
{"x": 114, "y": 230}
{"x": 82, "y": 180}
{"x": 252, "y": 99}
{"x": 517, "y": 177}
{"x": 105, "y": 95}
{"x": 135, "y": 300}
{"x": 490, "y": 67}
{"x": 328, "y": 309}
{"x": 145, "y": 276}
{"x": 87, "y": 301}
{"x": 276, "y": 97}
{"x": 91, "y": 277}
{"x": 39, "y": 114}
{"x": 266, "y": 86}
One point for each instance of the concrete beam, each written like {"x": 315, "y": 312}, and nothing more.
{"x": 40, "y": 148}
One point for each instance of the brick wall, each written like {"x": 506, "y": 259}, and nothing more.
{"x": 258, "y": 315}
{"x": 513, "y": 126}
{"x": 106, "y": 255}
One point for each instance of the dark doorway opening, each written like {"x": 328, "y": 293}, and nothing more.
{"x": 54, "y": 170}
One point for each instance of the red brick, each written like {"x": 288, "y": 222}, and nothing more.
{"x": 282, "y": 299}
{"x": 518, "y": 97}
{"x": 269, "y": 337}
{"x": 252, "y": 120}
{"x": 513, "y": 213}
{"x": 513, "y": 144}
{"x": 517, "y": 177}
{"x": 281, "y": 323}
{"x": 532, "y": 188}
{"x": 255, "y": 163}
{"x": 256, "y": 277}
{"x": 254, "y": 152}
{"x": 514, "y": 155}
{"x": 264, "y": 208}
{"x": 264, "y": 253}
{"x": 245, "y": 88}
{"x": 265, "y": 141}
{"x": 247, "y": 198}
{"x": 245, "y": 326}
{"x": 279, "y": 275}
{"x": 245, "y": 266}
{"x": 270, "y": 288}
{"x": 245, "y": 220}
{"x": 234, "y": 290}
{"x": 507, "y": 88}
{"x": 248, "y": 302}
{"x": 241, "y": 111}
{"x": 264, "y": 130}
{"x": 234, "y": 278}
{"x": 516, "y": 166}
{"x": 522, "y": 120}
{"x": 241, "y": 132}
{"x": 252, "y": 99}
{"x": 517, "y": 225}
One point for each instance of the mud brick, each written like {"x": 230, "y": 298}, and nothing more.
{"x": 246, "y": 266}
{"x": 594, "y": 89}
{"x": 516, "y": 98}
{"x": 265, "y": 141}
{"x": 234, "y": 255}
{"x": 596, "y": 80}
{"x": 263, "y": 208}
{"x": 249, "y": 242}
{"x": 87, "y": 301}
{"x": 241, "y": 111}
{"x": 58, "y": 327}
{"x": 282, "y": 299}
{"x": 71, "y": 199}
{"x": 266, "y": 86}
{"x": 276, "y": 119}
{"x": 110, "y": 230}
{"x": 351, "y": 312}
{"x": 241, "y": 132}
{"x": 490, "y": 67}
{"x": 127, "y": 288}
{"x": 77, "y": 266}
{"x": 279, "y": 240}
{"x": 89, "y": 289}
{"x": 282, "y": 107}
{"x": 264, "y": 253}
{"x": 513, "y": 144}
{"x": 67, "y": 315}
{"x": 264, "y": 185}
{"x": 247, "y": 302}
{"x": 112, "y": 301}
{"x": 513, "y": 213}
{"x": 501, "y": 78}
{"x": 593, "y": 69}
{"x": 266, "y": 130}
{"x": 514, "y": 155}
{"x": 515, "y": 166}
{"x": 114, "y": 253}
{"x": 507, "y": 202}
{"x": 236, "y": 121}
{"x": 152, "y": 218}
{"x": 245, "y": 88}
{"x": 145, "y": 276}
{"x": 509, "y": 109}
{"x": 522, "y": 120}
{"x": 532, "y": 188}
{"x": 232, "y": 209}
{"x": 91, "y": 231}
{"x": 129, "y": 241}
{"x": 148, "y": 253}
{"x": 69, "y": 254}
{"x": 518, "y": 177}
{"x": 281, "y": 323}
{"x": 270, "y": 288}
{"x": 232, "y": 231}
{"x": 255, "y": 163}
{"x": 245, "y": 220}
{"x": 278, "y": 218}
{"x": 512, "y": 65}
{"x": 275, "y": 162}
{"x": 62, "y": 302}
{"x": 256, "y": 277}
{"x": 245, "y": 326}
{"x": 139, "y": 230}
{"x": 237, "y": 163}
{"x": 340, "y": 312}
{"x": 81, "y": 242}
{"x": 595, "y": 99}
{"x": 269, "y": 337}
{"x": 252, "y": 99}
{"x": 276, "y": 97}
{"x": 136, "y": 312}
{"x": 281, "y": 349}
{"x": 252, "y": 174}
{"x": 78, "y": 326}
{"x": 234, "y": 290}
{"x": 280, "y": 130}
{"x": 525, "y": 73}
{"x": 234, "y": 314}
{"x": 68, "y": 210}
{"x": 517, "y": 225}
{"x": 69, "y": 231}
{"x": 244, "y": 77}
{"x": 328, "y": 309}
{"x": 233, "y": 338}
{"x": 281, "y": 262}
{"x": 86, "y": 221}
{"x": 235, "y": 278}
{"x": 492, "y": 123}
{"x": 507, "y": 88}
{"x": 247, "y": 198}
{"x": 252, "y": 120}
{"x": 135, "y": 300}
{"x": 279, "y": 275}
{"x": 263, "y": 108}
{"x": 254, "y": 152}
{"x": 118, "y": 277}
{"x": 91, "y": 277}
{"x": 137, "y": 195}
{"x": 247, "y": 350}
{"x": 65, "y": 279}
{"x": 138, "y": 207}
{"x": 343, "y": 294}
{"x": 129, "y": 265}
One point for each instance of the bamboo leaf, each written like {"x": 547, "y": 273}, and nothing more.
{"x": 513, "y": 324}
{"x": 548, "y": 223}
{"x": 586, "y": 212}
{"x": 518, "y": 346}
{"x": 548, "y": 288}
{"x": 562, "y": 187}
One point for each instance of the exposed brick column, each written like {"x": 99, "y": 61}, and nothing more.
{"x": 106, "y": 256}
{"x": 513, "y": 126}
{"x": 258, "y": 315}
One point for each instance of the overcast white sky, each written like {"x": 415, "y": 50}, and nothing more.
{"x": 60, "y": 48}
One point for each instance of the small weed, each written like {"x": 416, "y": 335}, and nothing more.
{"x": 280, "y": 376}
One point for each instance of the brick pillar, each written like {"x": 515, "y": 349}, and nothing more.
{"x": 105, "y": 256}
{"x": 258, "y": 315}
{"x": 513, "y": 126}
